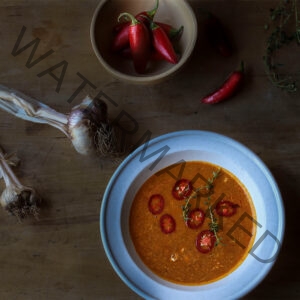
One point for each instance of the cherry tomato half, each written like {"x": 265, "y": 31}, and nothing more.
{"x": 156, "y": 204}
{"x": 226, "y": 208}
{"x": 205, "y": 241}
{"x": 167, "y": 223}
{"x": 182, "y": 189}
{"x": 195, "y": 218}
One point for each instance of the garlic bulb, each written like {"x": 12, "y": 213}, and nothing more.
{"x": 87, "y": 125}
{"x": 16, "y": 198}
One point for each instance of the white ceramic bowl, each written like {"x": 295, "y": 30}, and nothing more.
{"x": 191, "y": 146}
{"x": 174, "y": 12}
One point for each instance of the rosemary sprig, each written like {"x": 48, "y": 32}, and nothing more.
{"x": 208, "y": 187}
{"x": 280, "y": 19}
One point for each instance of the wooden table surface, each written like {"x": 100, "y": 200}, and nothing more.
{"x": 60, "y": 256}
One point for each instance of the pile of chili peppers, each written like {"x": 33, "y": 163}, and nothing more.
{"x": 143, "y": 40}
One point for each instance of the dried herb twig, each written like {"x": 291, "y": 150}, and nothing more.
{"x": 282, "y": 18}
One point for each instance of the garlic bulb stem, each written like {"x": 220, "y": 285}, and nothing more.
{"x": 6, "y": 171}
{"x": 87, "y": 125}
{"x": 29, "y": 109}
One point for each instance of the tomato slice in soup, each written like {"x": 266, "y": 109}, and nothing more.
{"x": 182, "y": 189}
{"x": 195, "y": 218}
{"x": 226, "y": 208}
{"x": 205, "y": 241}
{"x": 167, "y": 223}
{"x": 156, "y": 204}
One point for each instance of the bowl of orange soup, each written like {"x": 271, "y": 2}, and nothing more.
{"x": 192, "y": 215}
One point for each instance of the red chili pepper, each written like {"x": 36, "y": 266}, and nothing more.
{"x": 182, "y": 189}
{"x": 226, "y": 208}
{"x": 167, "y": 223}
{"x": 217, "y": 36}
{"x": 156, "y": 204}
{"x": 205, "y": 241}
{"x": 139, "y": 41}
{"x": 118, "y": 27}
{"x": 147, "y": 16}
{"x": 144, "y": 16}
{"x": 173, "y": 33}
{"x": 121, "y": 39}
{"x": 126, "y": 53}
{"x": 162, "y": 44}
{"x": 195, "y": 218}
{"x": 228, "y": 88}
{"x": 154, "y": 56}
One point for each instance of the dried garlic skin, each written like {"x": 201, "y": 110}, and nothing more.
{"x": 89, "y": 129}
{"x": 17, "y": 199}
{"x": 20, "y": 202}
{"x": 81, "y": 133}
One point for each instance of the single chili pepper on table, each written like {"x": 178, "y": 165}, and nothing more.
{"x": 121, "y": 30}
{"x": 139, "y": 41}
{"x": 162, "y": 44}
{"x": 217, "y": 36}
{"x": 228, "y": 88}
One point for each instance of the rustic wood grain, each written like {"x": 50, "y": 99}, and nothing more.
{"x": 60, "y": 255}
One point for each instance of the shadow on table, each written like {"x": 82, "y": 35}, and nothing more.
{"x": 283, "y": 280}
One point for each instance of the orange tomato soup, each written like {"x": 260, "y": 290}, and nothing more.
{"x": 172, "y": 252}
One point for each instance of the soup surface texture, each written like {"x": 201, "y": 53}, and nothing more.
{"x": 171, "y": 221}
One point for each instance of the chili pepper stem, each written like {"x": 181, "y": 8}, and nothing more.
{"x": 128, "y": 17}
{"x": 176, "y": 32}
{"x": 151, "y": 13}
{"x": 154, "y": 26}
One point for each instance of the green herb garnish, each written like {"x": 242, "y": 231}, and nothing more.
{"x": 213, "y": 225}
{"x": 208, "y": 187}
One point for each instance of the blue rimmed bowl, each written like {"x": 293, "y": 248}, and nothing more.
{"x": 164, "y": 151}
